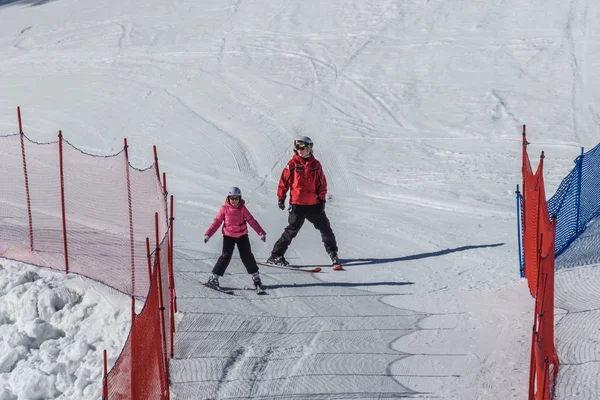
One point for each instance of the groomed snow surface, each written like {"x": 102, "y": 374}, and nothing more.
{"x": 415, "y": 109}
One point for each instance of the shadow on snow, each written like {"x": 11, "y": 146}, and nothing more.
{"x": 31, "y": 3}
{"x": 339, "y": 284}
{"x": 350, "y": 262}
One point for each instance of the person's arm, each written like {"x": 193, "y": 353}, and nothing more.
{"x": 321, "y": 185}
{"x": 253, "y": 222}
{"x": 218, "y": 221}
{"x": 285, "y": 182}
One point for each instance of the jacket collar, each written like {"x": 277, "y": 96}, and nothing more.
{"x": 240, "y": 204}
{"x": 301, "y": 160}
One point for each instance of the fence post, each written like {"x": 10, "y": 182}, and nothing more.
{"x": 532, "y": 358}
{"x": 538, "y": 239}
{"x": 156, "y": 164}
{"x": 149, "y": 256}
{"x": 132, "y": 254}
{"x": 130, "y": 210}
{"x": 523, "y": 199}
{"x": 105, "y": 380}
{"x": 28, "y": 197}
{"x": 170, "y": 250}
{"x": 133, "y": 352}
{"x": 62, "y": 199}
{"x": 578, "y": 196}
{"x": 533, "y": 366}
{"x": 173, "y": 296}
{"x": 519, "y": 232}
{"x": 161, "y": 313}
{"x": 171, "y": 275}
{"x": 545, "y": 391}
{"x": 19, "y": 117}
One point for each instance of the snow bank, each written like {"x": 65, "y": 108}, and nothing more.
{"x": 53, "y": 330}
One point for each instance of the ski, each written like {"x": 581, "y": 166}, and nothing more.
{"x": 337, "y": 267}
{"x": 292, "y": 267}
{"x": 226, "y": 291}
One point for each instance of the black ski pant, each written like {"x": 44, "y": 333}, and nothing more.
{"x": 296, "y": 219}
{"x": 243, "y": 244}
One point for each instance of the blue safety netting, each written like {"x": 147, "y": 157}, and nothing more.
{"x": 577, "y": 201}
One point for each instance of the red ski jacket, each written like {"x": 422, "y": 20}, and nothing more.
{"x": 305, "y": 180}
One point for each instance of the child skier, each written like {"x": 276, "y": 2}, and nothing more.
{"x": 304, "y": 178}
{"x": 234, "y": 215}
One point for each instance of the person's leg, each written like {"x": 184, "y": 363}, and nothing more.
{"x": 295, "y": 222}
{"x": 248, "y": 260}
{"x": 245, "y": 250}
{"x": 321, "y": 222}
{"x": 225, "y": 258}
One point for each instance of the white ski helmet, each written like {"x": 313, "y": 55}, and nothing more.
{"x": 234, "y": 191}
{"x": 303, "y": 141}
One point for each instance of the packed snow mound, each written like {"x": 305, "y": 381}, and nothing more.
{"x": 54, "y": 328}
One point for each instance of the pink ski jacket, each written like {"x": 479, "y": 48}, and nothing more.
{"x": 235, "y": 221}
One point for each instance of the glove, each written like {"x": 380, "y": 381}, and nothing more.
{"x": 322, "y": 206}
{"x": 206, "y": 239}
{"x": 281, "y": 204}
{"x": 263, "y": 237}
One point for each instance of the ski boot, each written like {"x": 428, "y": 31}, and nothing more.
{"x": 335, "y": 262}
{"x": 278, "y": 260}
{"x": 213, "y": 282}
{"x": 258, "y": 284}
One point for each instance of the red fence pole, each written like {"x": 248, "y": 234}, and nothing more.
{"x": 149, "y": 260}
{"x": 132, "y": 369}
{"x": 62, "y": 198}
{"x": 171, "y": 275}
{"x": 532, "y": 360}
{"x": 105, "y": 380}
{"x": 173, "y": 302}
{"x": 172, "y": 313}
{"x": 130, "y": 209}
{"x": 523, "y": 200}
{"x": 545, "y": 394}
{"x": 26, "y": 179}
{"x": 162, "y": 309}
{"x": 149, "y": 257}
{"x": 20, "y": 124}
{"x": 156, "y": 164}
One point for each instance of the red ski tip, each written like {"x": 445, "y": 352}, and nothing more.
{"x": 338, "y": 267}
{"x": 316, "y": 269}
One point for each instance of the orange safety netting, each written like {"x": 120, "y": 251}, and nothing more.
{"x": 141, "y": 371}
{"x": 96, "y": 237}
{"x": 92, "y": 215}
{"x": 538, "y": 248}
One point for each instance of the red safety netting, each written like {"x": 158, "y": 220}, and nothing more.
{"x": 531, "y": 216}
{"x": 98, "y": 236}
{"x": 538, "y": 248}
{"x": 141, "y": 371}
{"x": 93, "y": 215}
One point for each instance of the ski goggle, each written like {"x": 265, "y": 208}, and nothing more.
{"x": 238, "y": 198}
{"x": 300, "y": 144}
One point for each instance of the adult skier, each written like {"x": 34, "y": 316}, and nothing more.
{"x": 303, "y": 177}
